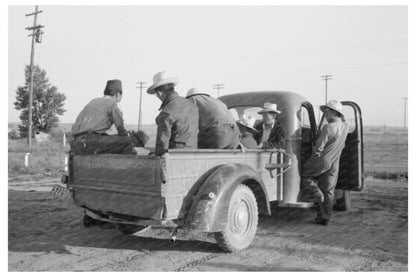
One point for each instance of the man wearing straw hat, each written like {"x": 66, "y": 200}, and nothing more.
{"x": 89, "y": 129}
{"x": 177, "y": 123}
{"x": 271, "y": 133}
{"x": 217, "y": 127}
{"x": 320, "y": 172}
{"x": 246, "y": 125}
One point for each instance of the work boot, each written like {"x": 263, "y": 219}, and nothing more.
{"x": 321, "y": 221}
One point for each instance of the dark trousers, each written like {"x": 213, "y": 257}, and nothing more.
{"x": 321, "y": 189}
{"x": 224, "y": 136}
{"x": 101, "y": 143}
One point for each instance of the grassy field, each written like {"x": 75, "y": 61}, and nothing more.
{"x": 385, "y": 154}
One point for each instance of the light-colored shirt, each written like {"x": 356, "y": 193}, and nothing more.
{"x": 266, "y": 132}
{"x": 98, "y": 115}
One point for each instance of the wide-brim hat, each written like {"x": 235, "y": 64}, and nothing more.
{"x": 269, "y": 108}
{"x": 333, "y": 105}
{"x": 195, "y": 91}
{"x": 112, "y": 87}
{"x": 160, "y": 79}
{"x": 248, "y": 123}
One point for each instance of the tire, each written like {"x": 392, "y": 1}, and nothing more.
{"x": 129, "y": 229}
{"x": 241, "y": 222}
{"x": 343, "y": 202}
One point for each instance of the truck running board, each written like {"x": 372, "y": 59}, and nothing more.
{"x": 302, "y": 205}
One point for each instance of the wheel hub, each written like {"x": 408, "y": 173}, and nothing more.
{"x": 240, "y": 217}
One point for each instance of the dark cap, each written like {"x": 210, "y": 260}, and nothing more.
{"x": 112, "y": 87}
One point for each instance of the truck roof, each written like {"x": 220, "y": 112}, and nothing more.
{"x": 283, "y": 99}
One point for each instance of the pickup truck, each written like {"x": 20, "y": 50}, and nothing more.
{"x": 213, "y": 191}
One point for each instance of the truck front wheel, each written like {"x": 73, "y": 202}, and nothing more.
{"x": 242, "y": 221}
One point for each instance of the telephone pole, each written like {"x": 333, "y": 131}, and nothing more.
{"x": 141, "y": 86}
{"x": 405, "y": 114}
{"x": 218, "y": 87}
{"x": 36, "y": 38}
{"x": 326, "y": 78}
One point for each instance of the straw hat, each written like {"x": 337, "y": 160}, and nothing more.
{"x": 333, "y": 105}
{"x": 270, "y": 108}
{"x": 247, "y": 122}
{"x": 160, "y": 79}
{"x": 195, "y": 91}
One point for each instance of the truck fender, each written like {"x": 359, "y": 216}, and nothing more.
{"x": 209, "y": 208}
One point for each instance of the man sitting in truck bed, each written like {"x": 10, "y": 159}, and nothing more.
{"x": 272, "y": 134}
{"x": 89, "y": 130}
{"x": 217, "y": 127}
{"x": 177, "y": 123}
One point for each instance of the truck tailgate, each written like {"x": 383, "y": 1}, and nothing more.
{"x": 124, "y": 184}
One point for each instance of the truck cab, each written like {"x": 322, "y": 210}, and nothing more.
{"x": 212, "y": 190}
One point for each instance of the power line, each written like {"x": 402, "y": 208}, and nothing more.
{"x": 326, "y": 78}
{"x": 36, "y": 38}
{"x": 405, "y": 115}
{"x": 141, "y": 86}
{"x": 218, "y": 87}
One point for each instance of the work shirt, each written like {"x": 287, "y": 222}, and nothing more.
{"x": 98, "y": 115}
{"x": 177, "y": 124}
{"x": 266, "y": 132}
{"x": 327, "y": 149}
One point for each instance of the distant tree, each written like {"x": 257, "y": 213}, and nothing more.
{"x": 48, "y": 103}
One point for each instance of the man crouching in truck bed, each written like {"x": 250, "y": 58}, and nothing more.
{"x": 89, "y": 130}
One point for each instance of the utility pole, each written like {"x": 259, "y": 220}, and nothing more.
{"x": 326, "y": 78}
{"x": 405, "y": 114}
{"x": 141, "y": 86}
{"x": 218, "y": 87}
{"x": 36, "y": 38}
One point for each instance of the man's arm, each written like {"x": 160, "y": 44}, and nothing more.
{"x": 321, "y": 141}
{"x": 117, "y": 117}
{"x": 164, "y": 128}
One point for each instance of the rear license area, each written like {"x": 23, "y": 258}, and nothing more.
{"x": 61, "y": 192}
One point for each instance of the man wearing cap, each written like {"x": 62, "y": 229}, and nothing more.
{"x": 217, "y": 126}
{"x": 320, "y": 171}
{"x": 89, "y": 129}
{"x": 177, "y": 123}
{"x": 247, "y": 131}
{"x": 272, "y": 135}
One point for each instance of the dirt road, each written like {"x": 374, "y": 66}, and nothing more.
{"x": 46, "y": 234}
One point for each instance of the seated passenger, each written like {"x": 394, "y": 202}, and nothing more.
{"x": 177, "y": 123}
{"x": 217, "y": 126}
{"x": 247, "y": 131}
{"x": 272, "y": 134}
{"x": 89, "y": 129}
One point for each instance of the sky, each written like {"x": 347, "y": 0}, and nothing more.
{"x": 247, "y": 48}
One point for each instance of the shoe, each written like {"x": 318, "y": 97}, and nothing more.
{"x": 321, "y": 221}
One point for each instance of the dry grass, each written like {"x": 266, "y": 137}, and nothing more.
{"x": 385, "y": 154}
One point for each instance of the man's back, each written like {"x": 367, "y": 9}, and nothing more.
{"x": 212, "y": 111}
{"x": 177, "y": 124}
{"x": 98, "y": 115}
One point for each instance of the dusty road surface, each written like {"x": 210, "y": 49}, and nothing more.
{"x": 46, "y": 234}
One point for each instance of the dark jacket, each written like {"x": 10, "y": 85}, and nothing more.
{"x": 177, "y": 124}
{"x": 217, "y": 127}
{"x": 277, "y": 138}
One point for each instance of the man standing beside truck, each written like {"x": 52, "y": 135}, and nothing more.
{"x": 177, "y": 123}
{"x": 89, "y": 129}
{"x": 320, "y": 172}
{"x": 217, "y": 126}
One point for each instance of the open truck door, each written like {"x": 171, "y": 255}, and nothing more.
{"x": 351, "y": 164}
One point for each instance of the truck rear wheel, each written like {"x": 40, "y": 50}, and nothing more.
{"x": 129, "y": 229}
{"x": 242, "y": 221}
